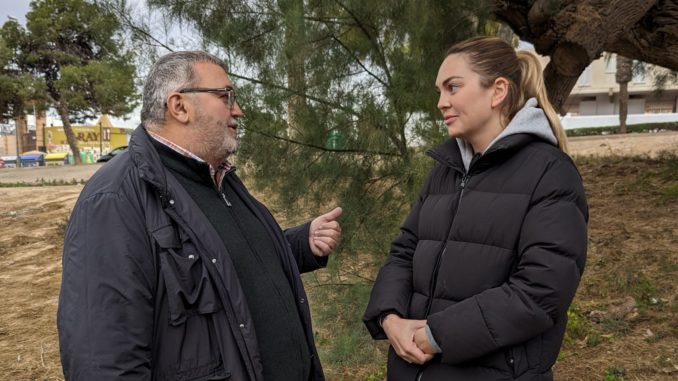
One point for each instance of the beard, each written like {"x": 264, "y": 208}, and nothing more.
{"x": 229, "y": 144}
{"x": 215, "y": 137}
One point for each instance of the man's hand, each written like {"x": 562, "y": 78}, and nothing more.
{"x": 421, "y": 339}
{"x": 324, "y": 233}
{"x": 400, "y": 333}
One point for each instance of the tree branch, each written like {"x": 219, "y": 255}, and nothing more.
{"x": 321, "y": 148}
{"x": 373, "y": 40}
{"x": 357, "y": 60}
{"x": 299, "y": 93}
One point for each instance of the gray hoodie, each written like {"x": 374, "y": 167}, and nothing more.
{"x": 528, "y": 120}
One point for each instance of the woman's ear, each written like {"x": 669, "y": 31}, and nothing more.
{"x": 178, "y": 108}
{"x": 500, "y": 90}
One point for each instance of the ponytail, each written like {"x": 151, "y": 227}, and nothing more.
{"x": 491, "y": 58}
{"x": 532, "y": 86}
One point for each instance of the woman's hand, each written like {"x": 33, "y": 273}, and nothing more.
{"x": 400, "y": 333}
{"x": 421, "y": 339}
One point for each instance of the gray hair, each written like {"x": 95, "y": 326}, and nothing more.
{"x": 170, "y": 73}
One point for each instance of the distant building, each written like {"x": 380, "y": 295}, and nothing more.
{"x": 597, "y": 92}
{"x": 47, "y": 135}
{"x": 594, "y": 100}
{"x": 98, "y": 139}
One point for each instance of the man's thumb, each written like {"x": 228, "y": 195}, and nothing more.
{"x": 334, "y": 214}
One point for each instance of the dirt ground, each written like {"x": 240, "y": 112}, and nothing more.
{"x": 633, "y": 253}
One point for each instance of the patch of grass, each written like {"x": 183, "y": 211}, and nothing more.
{"x": 617, "y": 327}
{"x": 658, "y": 336}
{"x": 378, "y": 375}
{"x": 41, "y": 182}
{"x": 644, "y": 289}
{"x": 345, "y": 345}
{"x": 580, "y": 328}
{"x": 607, "y": 130}
{"x": 614, "y": 374}
{"x": 668, "y": 194}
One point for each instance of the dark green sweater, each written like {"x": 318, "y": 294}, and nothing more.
{"x": 282, "y": 345}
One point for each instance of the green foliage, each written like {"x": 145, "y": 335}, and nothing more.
{"x": 580, "y": 328}
{"x": 615, "y": 374}
{"x": 17, "y": 88}
{"x": 639, "y": 128}
{"x": 41, "y": 182}
{"x": 343, "y": 340}
{"x": 70, "y": 56}
{"x": 643, "y": 289}
{"x": 661, "y": 183}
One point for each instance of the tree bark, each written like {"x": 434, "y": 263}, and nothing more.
{"x": 576, "y": 32}
{"x": 623, "y": 106}
{"x": 62, "y": 107}
{"x": 296, "y": 73}
{"x": 623, "y": 76}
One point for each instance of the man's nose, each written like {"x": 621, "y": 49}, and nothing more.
{"x": 236, "y": 111}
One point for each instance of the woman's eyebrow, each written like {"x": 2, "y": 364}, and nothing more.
{"x": 445, "y": 82}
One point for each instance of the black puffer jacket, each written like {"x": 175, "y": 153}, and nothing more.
{"x": 491, "y": 257}
{"x": 149, "y": 291}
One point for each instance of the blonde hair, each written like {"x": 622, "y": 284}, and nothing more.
{"x": 492, "y": 58}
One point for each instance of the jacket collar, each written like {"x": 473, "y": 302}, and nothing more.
{"x": 145, "y": 157}
{"x": 449, "y": 153}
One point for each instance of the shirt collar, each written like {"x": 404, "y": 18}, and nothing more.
{"x": 217, "y": 174}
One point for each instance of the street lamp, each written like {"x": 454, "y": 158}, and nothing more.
{"x": 101, "y": 139}
{"x": 16, "y": 135}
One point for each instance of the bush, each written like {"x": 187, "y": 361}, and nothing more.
{"x": 643, "y": 127}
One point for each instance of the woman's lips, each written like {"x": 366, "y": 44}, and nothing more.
{"x": 449, "y": 119}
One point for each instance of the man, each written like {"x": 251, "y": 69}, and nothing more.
{"x": 171, "y": 269}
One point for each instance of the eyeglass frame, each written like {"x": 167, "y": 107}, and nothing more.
{"x": 228, "y": 91}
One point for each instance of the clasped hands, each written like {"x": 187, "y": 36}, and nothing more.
{"x": 408, "y": 338}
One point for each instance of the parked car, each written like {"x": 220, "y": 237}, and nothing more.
{"x": 115, "y": 151}
{"x": 2, "y": 163}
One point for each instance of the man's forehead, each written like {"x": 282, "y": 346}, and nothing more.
{"x": 212, "y": 74}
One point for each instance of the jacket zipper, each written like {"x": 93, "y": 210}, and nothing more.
{"x": 443, "y": 249}
{"x": 223, "y": 196}
{"x": 441, "y": 254}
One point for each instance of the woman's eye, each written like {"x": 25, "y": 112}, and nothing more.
{"x": 452, "y": 88}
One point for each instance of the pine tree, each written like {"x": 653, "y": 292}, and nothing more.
{"x": 73, "y": 47}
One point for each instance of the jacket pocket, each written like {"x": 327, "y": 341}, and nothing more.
{"x": 516, "y": 359}
{"x": 190, "y": 290}
{"x": 209, "y": 372}
{"x": 212, "y": 371}
{"x": 187, "y": 345}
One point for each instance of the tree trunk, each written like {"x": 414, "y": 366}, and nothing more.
{"x": 574, "y": 33}
{"x": 294, "y": 52}
{"x": 623, "y": 106}
{"x": 561, "y": 74}
{"x": 62, "y": 107}
{"x": 623, "y": 76}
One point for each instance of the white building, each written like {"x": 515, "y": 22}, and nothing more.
{"x": 594, "y": 100}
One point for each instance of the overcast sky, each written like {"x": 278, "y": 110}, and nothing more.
{"x": 14, "y": 8}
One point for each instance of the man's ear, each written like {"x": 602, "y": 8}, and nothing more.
{"x": 500, "y": 89}
{"x": 178, "y": 108}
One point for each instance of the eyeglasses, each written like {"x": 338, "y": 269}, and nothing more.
{"x": 223, "y": 92}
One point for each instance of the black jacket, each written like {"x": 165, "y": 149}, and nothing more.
{"x": 148, "y": 290}
{"x": 491, "y": 257}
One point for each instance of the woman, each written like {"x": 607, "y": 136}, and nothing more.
{"x": 478, "y": 283}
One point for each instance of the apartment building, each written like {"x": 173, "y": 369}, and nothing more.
{"x": 597, "y": 92}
